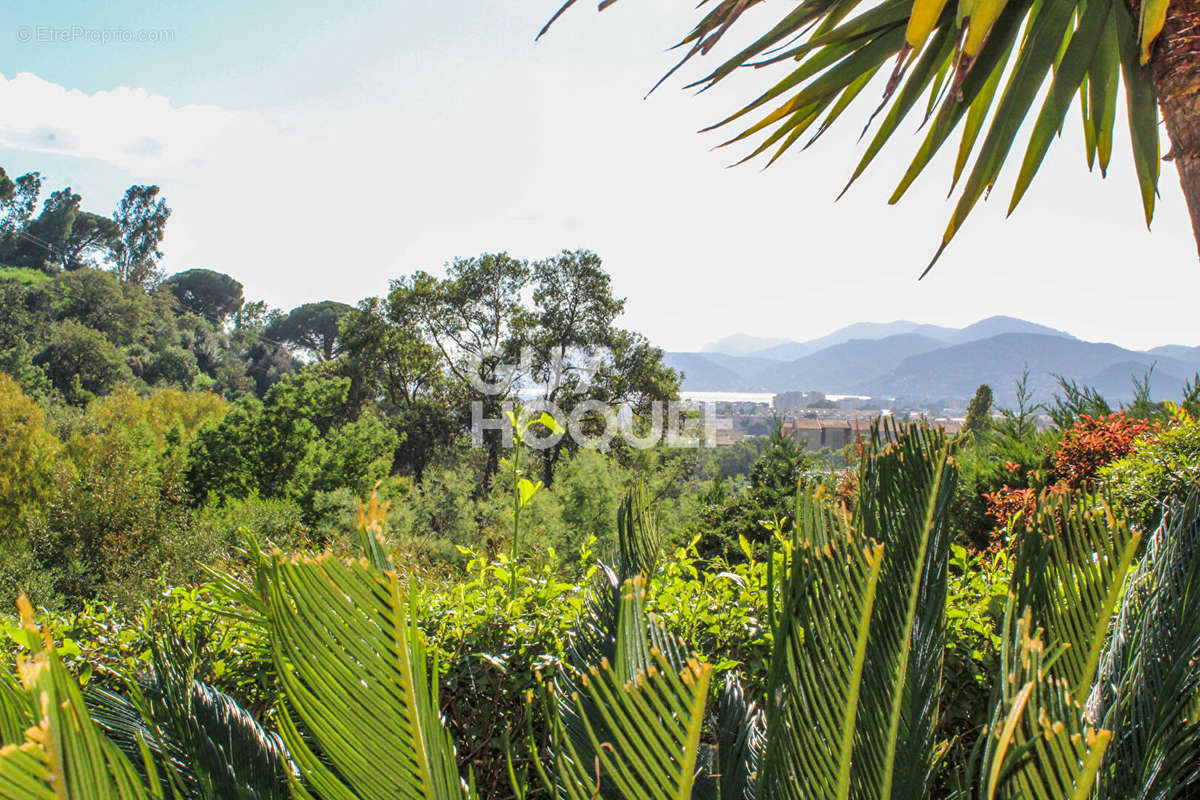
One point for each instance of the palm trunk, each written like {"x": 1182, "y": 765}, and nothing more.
{"x": 1176, "y": 63}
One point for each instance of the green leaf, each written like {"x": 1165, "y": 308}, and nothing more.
{"x": 1072, "y": 69}
{"x": 1037, "y": 745}
{"x": 819, "y": 660}
{"x": 63, "y": 754}
{"x": 643, "y": 729}
{"x": 526, "y": 489}
{"x": 550, "y": 422}
{"x": 354, "y": 673}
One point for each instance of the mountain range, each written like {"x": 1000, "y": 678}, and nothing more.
{"x": 930, "y": 362}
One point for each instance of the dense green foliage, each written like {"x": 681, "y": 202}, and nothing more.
{"x": 181, "y": 474}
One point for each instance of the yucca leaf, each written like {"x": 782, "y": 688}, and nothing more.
{"x": 931, "y": 67}
{"x": 1034, "y": 60}
{"x": 1103, "y": 77}
{"x": 1077, "y": 57}
{"x": 1070, "y": 41}
{"x": 1142, "y": 105}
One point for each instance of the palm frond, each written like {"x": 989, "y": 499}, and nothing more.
{"x": 907, "y": 482}
{"x": 354, "y": 673}
{"x": 733, "y": 763}
{"x": 988, "y": 61}
{"x": 63, "y": 755}
{"x": 1069, "y": 571}
{"x": 642, "y": 731}
{"x": 1149, "y": 681}
{"x": 209, "y": 747}
{"x": 1038, "y": 746}
{"x": 818, "y": 666}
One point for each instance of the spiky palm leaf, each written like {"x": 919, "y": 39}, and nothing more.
{"x": 1148, "y": 690}
{"x": 208, "y": 746}
{"x": 981, "y": 64}
{"x": 1038, "y": 746}
{"x": 62, "y": 755}
{"x": 1070, "y": 567}
{"x": 642, "y": 730}
{"x": 616, "y": 631}
{"x": 354, "y": 673}
{"x": 818, "y": 668}
{"x": 907, "y": 482}
{"x": 729, "y": 768}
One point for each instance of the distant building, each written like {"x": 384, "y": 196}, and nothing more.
{"x": 796, "y": 401}
{"x": 835, "y": 434}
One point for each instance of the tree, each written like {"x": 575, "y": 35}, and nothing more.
{"x": 42, "y": 244}
{"x": 959, "y": 55}
{"x": 571, "y": 332}
{"x": 18, "y": 199}
{"x": 28, "y": 453}
{"x": 81, "y": 362}
{"x": 91, "y": 241}
{"x": 295, "y": 442}
{"x": 212, "y": 295}
{"x": 142, "y": 218}
{"x": 313, "y": 327}
{"x": 979, "y": 410}
{"x": 393, "y": 368}
{"x": 476, "y": 320}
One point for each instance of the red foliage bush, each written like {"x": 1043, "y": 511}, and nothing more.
{"x": 1006, "y": 503}
{"x": 1093, "y": 443}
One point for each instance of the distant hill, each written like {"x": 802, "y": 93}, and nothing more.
{"x": 998, "y": 326}
{"x": 841, "y": 368}
{"x": 792, "y": 350}
{"x": 703, "y": 374}
{"x": 910, "y": 360}
{"x": 1190, "y": 355}
{"x": 740, "y": 345}
{"x": 958, "y": 370}
{"x": 718, "y": 372}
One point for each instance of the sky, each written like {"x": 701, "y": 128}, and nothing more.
{"x": 317, "y": 152}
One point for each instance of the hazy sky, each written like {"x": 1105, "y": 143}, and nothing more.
{"x": 315, "y": 151}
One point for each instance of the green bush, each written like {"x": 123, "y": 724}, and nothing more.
{"x": 1162, "y": 467}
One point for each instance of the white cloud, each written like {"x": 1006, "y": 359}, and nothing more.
{"x": 126, "y": 127}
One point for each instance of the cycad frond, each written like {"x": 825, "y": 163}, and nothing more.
{"x": 63, "y": 755}
{"x": 818, "y": 666}
{"x": 208, "y": 745}
{"x": 354, "y": 674}
{"x": 907, "y": 482}
{"x": 1149, "y": 682}
{"x": 1038, "y": 746}
{"x": 640, "y": 732}
{"x": 1070, "y": 568}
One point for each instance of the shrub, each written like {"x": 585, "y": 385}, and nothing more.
{"x": 1094, "y": 442}
{"x": 81, "y": 362}
{"x": 28, "y": 458}
{"x": 1157, "y": 469}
